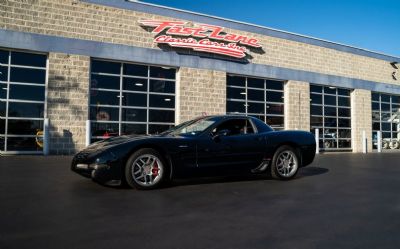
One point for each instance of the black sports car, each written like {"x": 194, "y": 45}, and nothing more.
{"x": 207, "y": 146}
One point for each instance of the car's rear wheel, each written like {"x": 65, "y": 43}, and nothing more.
{"x": 146, "y": 169}
{"x": 285, "y": 163}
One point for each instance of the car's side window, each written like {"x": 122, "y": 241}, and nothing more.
{"x": 235, "y": 127}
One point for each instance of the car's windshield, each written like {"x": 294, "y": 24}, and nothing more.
{"x": 191, "y": 128}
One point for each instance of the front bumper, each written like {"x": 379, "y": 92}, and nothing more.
{"x": 102, "y": 168}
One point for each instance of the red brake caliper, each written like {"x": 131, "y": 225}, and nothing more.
{"x": 155, "y": 169}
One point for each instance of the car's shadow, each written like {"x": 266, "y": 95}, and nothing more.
{"x": 303, "y": 173}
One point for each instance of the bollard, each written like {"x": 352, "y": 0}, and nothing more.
{"x": 379, "y": 141}
{"x": 46, "y": 137}
{"x": 316, "y": 141}
{"x": 364, "y": 142}
{"x": 88, "y": 132}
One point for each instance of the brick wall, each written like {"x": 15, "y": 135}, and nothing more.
{"x": 67, "y": 102}
{"x": 200, "y": 91}
{"x": 361, "y": 118}
{"x": 75, "y": 19}
{"x": 297, "y": 105}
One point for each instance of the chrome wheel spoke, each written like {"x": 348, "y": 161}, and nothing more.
{"x": 287, "y": 163}
{"x": 147, "y": 170}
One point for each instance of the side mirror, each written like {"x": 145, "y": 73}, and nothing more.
{"x": 221, "y": 133}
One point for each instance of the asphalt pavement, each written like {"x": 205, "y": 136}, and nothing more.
{"x": 342, "y": 200}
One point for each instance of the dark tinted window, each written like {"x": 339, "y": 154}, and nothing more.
{"x": 24, "y": 92}
{"x": 24, "y": 127}
{"x": 104, "y": 129}
{"x": 161, "y": 116}
{"x": 375, "y": 96}
{"x": 134, "y": 99}
{"x": 105, "y": 81}
{"x": 236, "y": 81}
{"x": 274, "y": 85}
{"x": 343, "y": 92}
{"x": 104, "y": 113}
{"x": 330, "y": 90}
{"x": 133, "y": 129}
{"x": 27, "y": 59}
{"x": 104, "y": 98}
{"x": 162, "y": 86}
{"x": 106, "y": 67}
{"x": 274, "y": 96}
{"x": 163, "y": 73}
{"x": 275, "y": 121}
{"x": 275, "y": 109}
{"x": 329, "y": 100}
{"x": 3, "y": 73}
{"x": 236, "y": 93}
{"x": 22, "y": 144}
{"x": 2, "y": 126}
{"x": 137, "y": 115}
{"x": 28, "y": 110}
{"x": 4, "y": 57}
{"x": 316, "y": 89}
{"x": 255, "y": 83}
{"x": 135, "y": 84}
{"x": 162, "y": 101}
{"x": 3, "y": 91}
{"x": 136, "y": 70}
{"x": 316, "y": 98}
{"x": 256, "y": 95}
{"x": 28, "y": 75}
{"x": 234, "y": 106}
{"x": 255, "y": 107}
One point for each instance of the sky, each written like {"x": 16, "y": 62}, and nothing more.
{"x": 369, "y": 24}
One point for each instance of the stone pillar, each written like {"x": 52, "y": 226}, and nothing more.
{"x": 361, "y": 119}
{"x": 200, "y": 91}
{"x": 67, "y": 102}
{"x": 297, "y": 105}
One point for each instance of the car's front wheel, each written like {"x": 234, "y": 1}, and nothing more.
{"x": 146, "y": 169}
{"x": 285, "y": 163}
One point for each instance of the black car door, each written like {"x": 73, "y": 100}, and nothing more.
{"x": 231, "y": 146}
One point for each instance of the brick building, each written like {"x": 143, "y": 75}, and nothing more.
{"x": 101, "y": 62}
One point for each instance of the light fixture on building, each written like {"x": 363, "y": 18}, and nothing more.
{"x": 138, "y": 84}
{"x": 332, "y": 87}
{"x": 167, "y": 100}
{"x": 243, "y": 93}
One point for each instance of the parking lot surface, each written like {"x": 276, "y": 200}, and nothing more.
{"x": 340, "y": 201}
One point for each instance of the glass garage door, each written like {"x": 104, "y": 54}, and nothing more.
{"x": 331, "y": 113}
{"x": 386, "y": 118}
{"x": 261, "y": 98}
{"x": 22, "y": 101}
{"x": 130, "y": 98}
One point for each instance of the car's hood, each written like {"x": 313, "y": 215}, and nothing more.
{"x": 110, "y": 142}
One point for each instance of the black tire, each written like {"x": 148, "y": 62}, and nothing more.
{"x": 275, "y": 172}
{"x": 163, "y": 170}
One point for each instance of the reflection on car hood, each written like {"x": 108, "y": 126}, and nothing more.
{"x": 109, "y": 142}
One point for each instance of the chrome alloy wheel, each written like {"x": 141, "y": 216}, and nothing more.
{"x": 287, "y": 163}
{"x": 147, "y": 170}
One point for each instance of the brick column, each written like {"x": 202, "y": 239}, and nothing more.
{"x": 200, "y": 91}
{"x": 297, "y": 105}
{"x": 67, "y": 102}
{"x": 361, "y": 118}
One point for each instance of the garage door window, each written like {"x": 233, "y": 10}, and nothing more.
{"x": 22, "y": 101}
{"x": 130, "y": 98}
{"x": 331, "y": 114}
{"x": 261, "y": 98}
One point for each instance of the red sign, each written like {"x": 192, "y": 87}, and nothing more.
{"x": 227, "y": 43}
